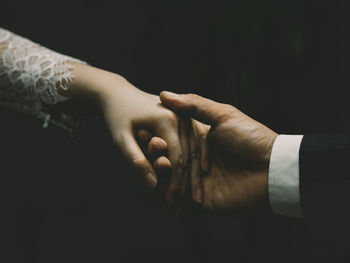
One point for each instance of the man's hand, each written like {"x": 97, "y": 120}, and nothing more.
{"x": 239, "y": 150}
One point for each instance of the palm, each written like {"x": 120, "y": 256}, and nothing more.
{"x": 235, "y": 154}
{"x": 224, "y": 188}
{"x": 236, "y": 168}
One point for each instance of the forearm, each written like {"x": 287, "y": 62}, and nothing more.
{"x": 32, "y": 78}
{"x": 91, "y": 83}
{"x": 97, "y": 87}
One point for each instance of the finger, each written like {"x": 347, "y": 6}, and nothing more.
{"x": 171, "y": 136}
{"x": 204, "y": 155}
{"x": 161, "y": 165}
{"x": 144, "y": 135}
{"x": 185, "y": 146}
{"x": 157, "y": 147}
{"x": 143, "y": 139}
{"x": 197, "y": 107}
{"x": 137, "y": 159}
{"x": 196, "y": 182}
{"x": 201, "y": 132}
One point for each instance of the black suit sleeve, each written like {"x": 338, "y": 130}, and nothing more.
{"x": 324, "y": 163}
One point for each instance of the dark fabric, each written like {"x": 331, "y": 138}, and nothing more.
{"x": 325, "y": 188}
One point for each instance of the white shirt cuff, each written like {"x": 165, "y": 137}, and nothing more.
{"x": 284, "y": 191}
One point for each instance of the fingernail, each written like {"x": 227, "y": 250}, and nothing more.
{"x": 199, "y": 195}
{"x": 151, "y": 179}
{"x": 170, "y": 94}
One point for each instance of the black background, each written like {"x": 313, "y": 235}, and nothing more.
{"x": 283, "y": 62}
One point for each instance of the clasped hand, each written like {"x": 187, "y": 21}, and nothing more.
{"x": 235, "y": 154}
{"x": 216, "y": 149}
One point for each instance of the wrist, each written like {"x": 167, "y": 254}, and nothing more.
{"x": 271, "y": 140}
{"x": 93, "y": 84}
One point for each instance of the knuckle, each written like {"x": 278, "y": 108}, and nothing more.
{"x": 179, "y": 162}
{"x": 192, "y": 103}
{"x": 193, "y": 96}
{"x": 196, "y": 154}
{"x": 182, "y": 162}
{"x": 225, "y": 114}
{"x": 169, "y": 116}
{"x": 139, "y": 162}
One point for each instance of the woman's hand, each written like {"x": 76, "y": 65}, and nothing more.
{"x": 127, "y": 110}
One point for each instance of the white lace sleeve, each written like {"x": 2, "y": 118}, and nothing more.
{"x": 30, "y": 77}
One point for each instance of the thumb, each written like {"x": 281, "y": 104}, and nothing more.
{"x": 194, "y": 106}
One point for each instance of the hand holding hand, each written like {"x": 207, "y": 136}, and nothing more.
{"x": 239, "y": 150}
{"x": 126, "y": 110}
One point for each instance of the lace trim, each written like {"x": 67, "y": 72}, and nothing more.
{"x": 30, "y": 78}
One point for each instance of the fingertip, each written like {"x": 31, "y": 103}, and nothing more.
{"x": 162, "y": 164}
{"x": 151, "y": 180}
{"x": 168, "y": 94}
{"x": 170, "y": 99}
{"x": 157, "y": 146}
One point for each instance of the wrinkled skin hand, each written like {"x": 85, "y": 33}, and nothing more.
{"x": 237, "y": 152}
